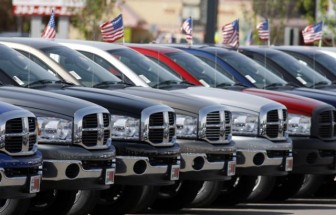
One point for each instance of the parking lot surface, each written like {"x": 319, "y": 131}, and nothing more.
{"x": 292, "y": 206}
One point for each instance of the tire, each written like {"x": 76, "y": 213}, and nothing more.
{"x": 310, "y": 186}
{"x": 286, "y": 187}
{"x": 14, "y": 206}
{"x": 235, "y": 190}
{"x": 177, "y": 196}
{"x": 52, "y": 202}
{"x": 120, "y": 199}
{"x": 262, "y": 188}
{"x": 327, "y": 188}
{"x": 84, "y": 203}
{"x": 207, "y": 194}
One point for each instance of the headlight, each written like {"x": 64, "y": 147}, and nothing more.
{"x": 244, "y": 123}
{"x": 124, "y": 127}
{"x": 53, "y": 129}
{"x": 186, "y": 126}
{"x": 298, "y": 125}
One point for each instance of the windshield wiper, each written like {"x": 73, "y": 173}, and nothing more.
{"x": 319, "y": 84}
{"x": 224, "y": 84}
{"x": 105, "y": 84}
{"x": 64, "y": 82}
{"x": 273, "y": 85}
{"x": 40, "y": 82}
{"x": 165, "y": 83}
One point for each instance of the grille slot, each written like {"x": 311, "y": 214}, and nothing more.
{"x": 90, "y": 121}
{"x": 156, "y": 119}
{"x": 213, "y": 118}
{"x": 106, "y": 119}
{"x": 14, "y": 126}
{"x": 32, "y": 124}
{"x": 13, "y": 144}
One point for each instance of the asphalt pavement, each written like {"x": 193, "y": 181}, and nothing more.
{"x": 292, "y": 206}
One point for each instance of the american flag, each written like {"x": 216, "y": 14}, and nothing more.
{"x": 263, "y": 30}
{"x": 50, "y": 32}
{"x": 187, "y": 28}
{"x": 231, "y": 34}
{"x": 112, "y": 30}
{"x": 312, "y": 33}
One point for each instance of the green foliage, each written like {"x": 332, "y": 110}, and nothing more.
{"x": 91, "y": 17}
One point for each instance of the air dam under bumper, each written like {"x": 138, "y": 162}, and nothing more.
{"x": 76, "y": 168}
{"x": 144, "y": 164}
{"x": 201, "y": 160}
{"x": 18, "y": 174}
{"x": 260, "y": 156}
{"x": 314, "y": 156}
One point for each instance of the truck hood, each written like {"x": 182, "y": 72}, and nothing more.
{"x": 328, "y": 97}
{"x": 178, "y": 101}
{"x": 6, "y": 107}
{"x": 116, "y": 102}
{"x": 235, "y": 101}
{"x": 294, "y": 103}
{"x": 43, "y": 101}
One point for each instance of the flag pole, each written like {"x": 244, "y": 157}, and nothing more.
{"x": 320, "y": 42}
{"x": 269, "y": 33}
{"x": 192, "y": 28}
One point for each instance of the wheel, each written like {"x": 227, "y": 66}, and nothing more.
{"x": 177, "y": 196}
{"x": 84, "y": 203}
{"x": 120, "y": 199}
{"x": 207, "y": 194}
{"x": 52, "y": 202}
{"x": 286, "y": 187}
{"x": 327, "y": 188}
{"x": 262, "y": 188}
{"x": 310, "y": 186}
{"x": 14, "y": 206}
{"x": 235, "y": 190}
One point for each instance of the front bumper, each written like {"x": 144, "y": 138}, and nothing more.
{"x": 314, "y": 156}
{"x": 260, "y": 156}
{"x": 201, "y": 160}
{"x": 143, "y": 164}
{"x": 76, "y": 168}
{"x": 20, "y": 177}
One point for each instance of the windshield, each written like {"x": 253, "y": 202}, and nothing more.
{"x": 199, "y": 69}
{"x": 254, "y": 72}
{"x": 304, "y": 74}
{"x": 87, "y": 72}
{"x": 21, "y": 69}
{"x": 147, "y": 70}
{"x": 326, "y": 60}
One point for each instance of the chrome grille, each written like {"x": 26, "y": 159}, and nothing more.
{"x": 215, "y": 124}
{"x": 96, "y": 129}
{"x": 275, "y": 124}
{"x": 327, "y": 125}
{"x": 158, "y": 125}
{"x": 20, "y": 135}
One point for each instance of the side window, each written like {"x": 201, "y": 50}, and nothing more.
{"x": 166, "y": 67}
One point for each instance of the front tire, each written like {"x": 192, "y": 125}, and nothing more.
{"x": 52, "y": 202}
{"x": 262, "y": 188}
{"x": 235, "y": 190}
{"x": 84, "y": 203}
{"x": 14, "y": 206}
{"x": 120, "y": 199}
{"x": 207, "y": 194}
{"x": 177, "y": 196}
{"x": 311, "y": 185}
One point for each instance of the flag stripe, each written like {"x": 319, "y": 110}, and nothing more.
{"x": 112, "y": 30}
{"x": 187, "y": 28}
{"x": 263, "y": 30}
{"x": 312, "y": 33}
{"x": 49, "y": 31}
{"x": 230, "y": 34}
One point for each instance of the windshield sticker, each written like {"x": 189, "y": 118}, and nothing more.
{"x": 55, "y": 57}
{"x": 145, "y": 79}
{"x": 18, "y": 80}
{"x": 74, "y": 74}
{"x": 301, "y": 80}
{"x": 204, "y": 83}
{"x": 250, "y": 79}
